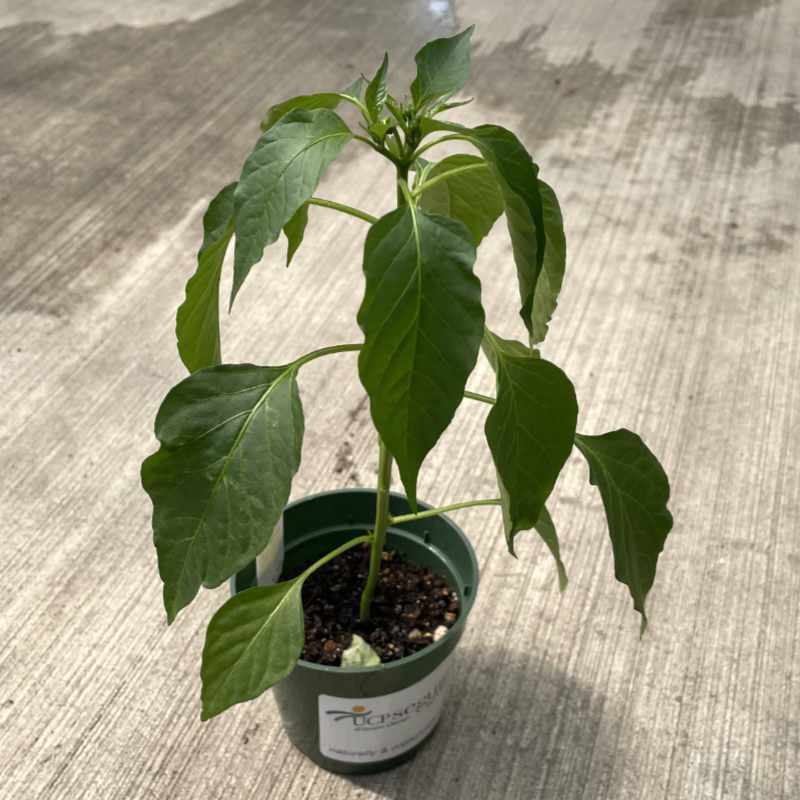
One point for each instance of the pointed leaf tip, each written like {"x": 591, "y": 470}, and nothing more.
{"x": 218, "y": 428}
{"x": 529, "y": 429}
{"x": 375, "y": 94}
{"x": 442, "y": 67}
{"x": 197, "y": 319}
{"x": 634, "y": 489}
{"x": 422, "y": 320}
{"x": 278, "y": 177}
{"x": 253, "y": 641}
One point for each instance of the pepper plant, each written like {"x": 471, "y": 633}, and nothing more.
{"x": 231, "y": 434}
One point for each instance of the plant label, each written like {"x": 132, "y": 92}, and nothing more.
{"x": 367, "y": 729}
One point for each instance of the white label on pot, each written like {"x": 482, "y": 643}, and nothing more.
{"x": 365, "y": 729}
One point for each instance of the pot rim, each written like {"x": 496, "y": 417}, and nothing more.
{"x": 398, "y": 529}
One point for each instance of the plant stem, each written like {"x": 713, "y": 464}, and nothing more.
{"x": 443, "y": 176}
{"x": 432, "y": 512}
{"x": 403, "y": 193}
{"x": 337, "y": 551}
{"x": 325, "y": 351}
{"x": 379, "y": 533}
{"x": 353, "y": 212}
{"x": 482, "y": 397}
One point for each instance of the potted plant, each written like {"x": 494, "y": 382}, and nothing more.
{"x": 376, "y": 580}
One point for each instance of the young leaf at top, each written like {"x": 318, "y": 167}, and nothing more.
{"x": 355, "y": 89}
{"x": 635, "y": 491}
{"x": 295, "y": 230}
{"x": 252, "y": 642}
{"x": 517, "y": 176}
{"x": 375, "y": 95}
{"x": 230, "y": 445}
{"x": 310, "y": 102}
{"x": 444, "y": 106}
{"x": 530, "y": 430}
{"x": 278, "y": 177}
{"x": 548, "y": 284}
{"x": 442, "y": 67}
{"x": 422, "y": 321}
{"x": 197, "y": 321}
{"x": 472, "y": 196}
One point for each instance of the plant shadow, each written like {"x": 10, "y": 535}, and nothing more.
{"x": 513, "y": 727}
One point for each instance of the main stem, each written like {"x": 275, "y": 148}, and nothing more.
{"x": 379, "y": 532}
{"x": 382, "y": 517}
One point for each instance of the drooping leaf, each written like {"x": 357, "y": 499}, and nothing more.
{"x": 546, "y": 528}
{"x": 278, "y": 177}
{"x": 548, "y": 284}
{"x": 310, "y": 102}
{"x": 230, "y": 439}
{"x": 529, "y": 430}
{"x": 635, "y": 491}
{"x": 375, "y": 94}
{"x": 442, "y": 67}
{"x": 295, "y": 230}
{"x": 422, "y": 321}
{"x": 473, "y": 197}
{"x": 197, "y": 321}
{"x": 517, "y": 176}
{"x": 252, "y": 642}
{"x": 360, "y": 654}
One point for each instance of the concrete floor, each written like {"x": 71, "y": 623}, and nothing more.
{"x": 670, "y": 129}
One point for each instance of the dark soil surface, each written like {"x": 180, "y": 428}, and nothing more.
{"x": 410, "y": 603}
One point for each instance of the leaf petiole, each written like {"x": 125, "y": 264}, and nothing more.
{"x": 443, "y": 176}
{"x": 367, "y": 537}
{"x": 345, "y": 209}
{"x": 433, "y": 512}
{"x": 483, "y": 398}
{"x": 324, "y": 351}
{"x": 450, "y": 137}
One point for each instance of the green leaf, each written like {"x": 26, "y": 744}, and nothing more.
{"x": 517, "y": 176}
{"x": 473, "y": 197}
{"x": 197, "y": 321}
{"x": 529, "y": 430}
{"x": 635, "y": 491}
{"x": 442, "y": 67}
{"x": 355, "y": 89}
{"x": 360, "y": 654}
{"x": 310, "y": 102}
{"x": 377, "y": 130}
{"x": 230, "y": 445}
{"x": 546, "y": 528}
{"x": 442, "y": 107}
{"x": 295, "y": 229}
{"x": 252, "y": 642}
{"x": 375, "y": 95}
{"x": 278, "y": 177}
{"x": 422, "y": 321}
{"x": 548, "y": 284}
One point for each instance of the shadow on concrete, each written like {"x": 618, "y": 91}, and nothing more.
{"x": 511, "y": 729}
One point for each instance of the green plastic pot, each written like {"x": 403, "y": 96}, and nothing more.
{"x": 369, "y": 719}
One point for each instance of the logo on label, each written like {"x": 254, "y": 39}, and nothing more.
{"x": 377, "y": 728}
{"x": 354, "y": 713}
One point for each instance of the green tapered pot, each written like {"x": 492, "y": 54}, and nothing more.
{"x": 371, "y": 718}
